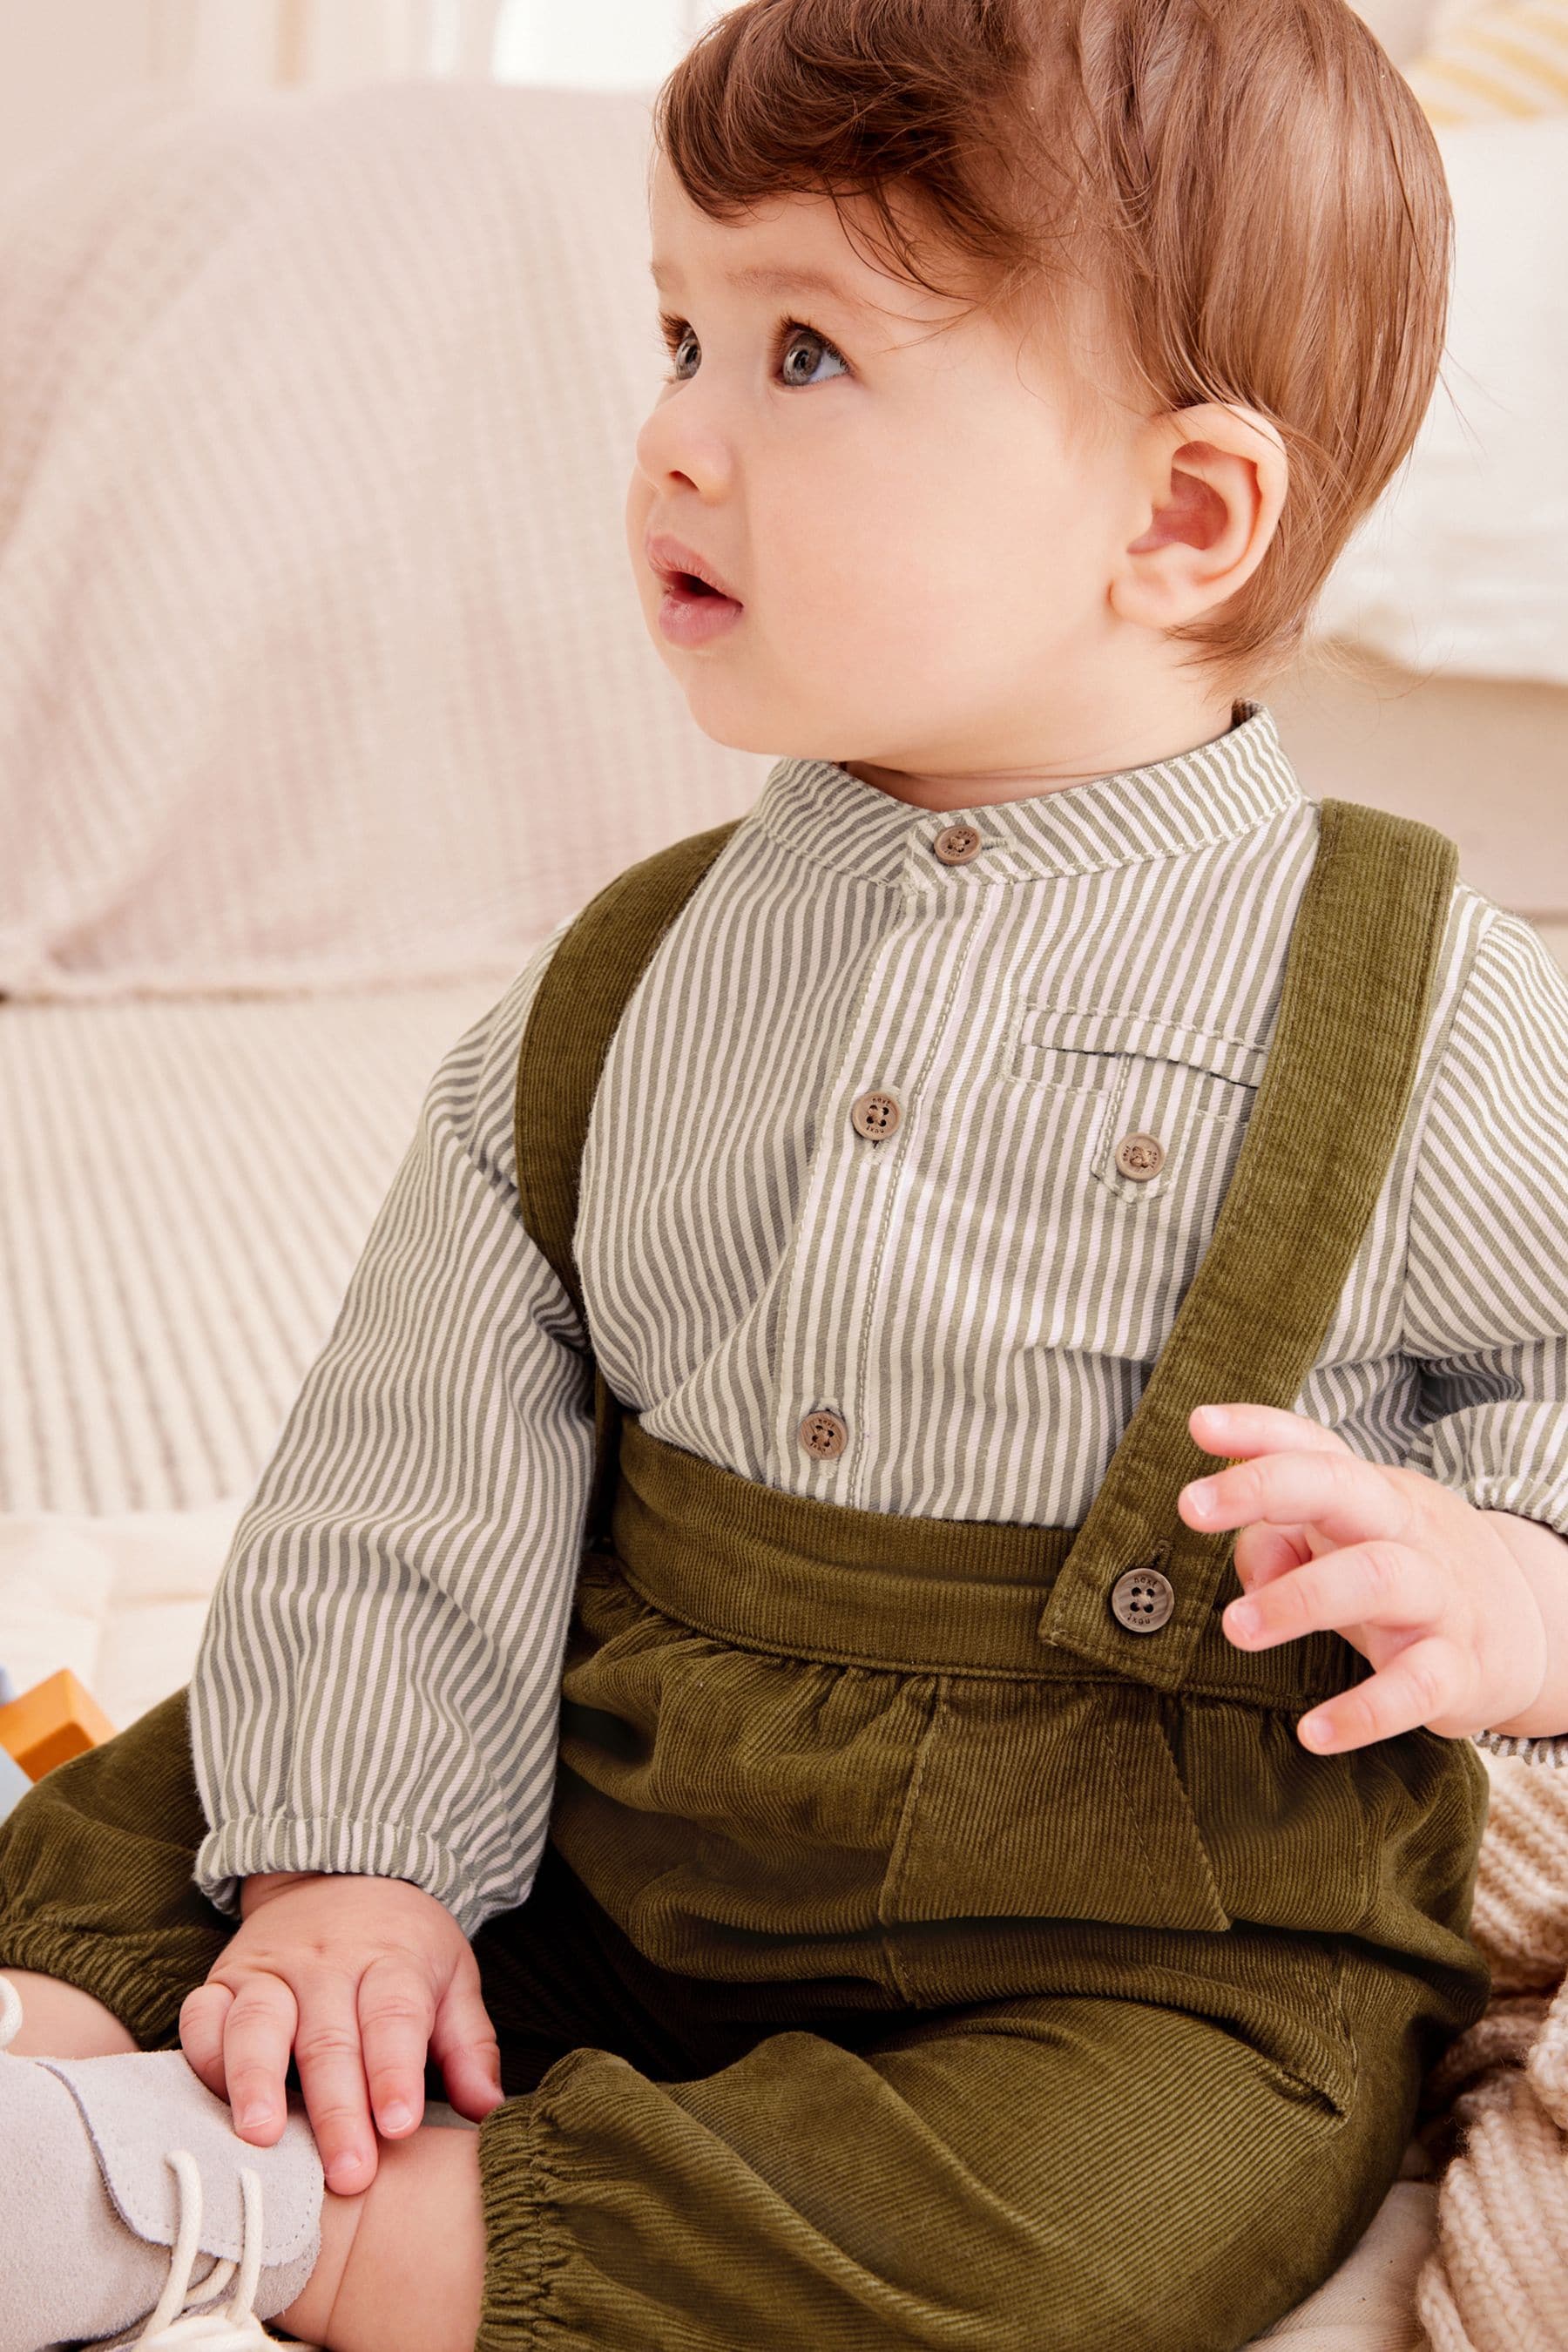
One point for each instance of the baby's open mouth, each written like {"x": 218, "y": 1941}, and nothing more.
{"x": 687, "y": 585}
{"x": 666, "y": 554}
{"x": 692, "y": 611}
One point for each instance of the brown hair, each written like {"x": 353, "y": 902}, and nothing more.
{"x": 1250, "y": 186}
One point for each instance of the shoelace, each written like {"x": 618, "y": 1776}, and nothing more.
{"x": 179, "y": 2323}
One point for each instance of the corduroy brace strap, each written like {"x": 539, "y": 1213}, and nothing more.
{"x": 1336, "y": 1085}
{"x": 586, "y": 987}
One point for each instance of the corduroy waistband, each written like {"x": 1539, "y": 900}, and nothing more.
{"x": 746, "y": 1563}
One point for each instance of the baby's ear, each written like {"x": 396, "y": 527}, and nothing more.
{"x": 1215, "y": 479}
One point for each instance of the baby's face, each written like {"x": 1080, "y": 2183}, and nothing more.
{"x": 918, "y": 537}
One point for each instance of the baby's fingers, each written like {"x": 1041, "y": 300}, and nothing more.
{"x": 202, "y": 2016}
{"x": 1263, "y": 1551}
{"x": 332, "y": 2075}
{"x": 464, "y": 2041}
{"x": 257, "y": 2034}
{"x": 395, "y": 2009}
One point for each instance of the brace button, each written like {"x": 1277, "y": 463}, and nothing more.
{"x": 1142, "y": 1600}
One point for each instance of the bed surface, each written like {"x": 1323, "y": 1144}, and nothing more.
{"x": 187, "y": 1186}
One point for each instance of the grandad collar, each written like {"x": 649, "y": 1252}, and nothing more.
{"x": 1168, "y": 809}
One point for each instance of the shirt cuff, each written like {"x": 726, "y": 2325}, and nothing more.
{"x": 1547, "y": 1749}
{"x": 239, "y": 1849}
{"x": 1528, "y": 1498}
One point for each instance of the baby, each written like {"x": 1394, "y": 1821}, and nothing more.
{"x": 733, "y": 1661}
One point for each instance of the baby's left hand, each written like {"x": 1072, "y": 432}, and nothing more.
{"x": 1407, "y": 1570}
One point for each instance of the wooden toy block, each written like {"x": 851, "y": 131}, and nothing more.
{"x": 54, "y": 1721}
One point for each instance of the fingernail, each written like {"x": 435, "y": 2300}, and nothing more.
{"x": 396, "y": 2117}
{"x": 1315, "y": 1730}
{"x": 343, "y": 2171}
{"x": 250, "y": 2117}
{"x": 1201, "y": 1499}
{"x": 1242, "y": 1617}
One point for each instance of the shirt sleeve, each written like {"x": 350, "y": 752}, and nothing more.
{"x": 1486, "y": 1311}
{"x": 377, "y": 1685}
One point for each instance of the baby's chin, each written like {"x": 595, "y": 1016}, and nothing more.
{"x": 783, "y": 739}
{"x": 730, "y": 711}
{"x": 732, "y": 705}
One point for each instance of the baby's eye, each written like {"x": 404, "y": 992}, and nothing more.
{"x": 794, "y": 335}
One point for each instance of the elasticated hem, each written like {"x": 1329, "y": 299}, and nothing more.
{"x": 120, "y": 1971}
{"x": 525, "y": 2240}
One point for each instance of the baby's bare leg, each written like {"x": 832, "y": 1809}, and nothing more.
{"x": 401, "y": 2266}
{"x": 61, "y": 2020}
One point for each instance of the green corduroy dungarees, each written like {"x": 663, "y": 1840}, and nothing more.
{"x": 920, "y": 1955}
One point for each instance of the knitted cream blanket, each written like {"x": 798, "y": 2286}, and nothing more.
{"x": 1496, "y": 2280}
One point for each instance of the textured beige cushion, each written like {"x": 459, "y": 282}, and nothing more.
{"x": 322, "y": 661}
{"x": 1460, "y": 566}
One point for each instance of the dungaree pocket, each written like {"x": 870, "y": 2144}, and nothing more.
{"x": 747, "y": 1814}
{"x": 1378, "y": 1841}
{"x": 1052, "y": 1798}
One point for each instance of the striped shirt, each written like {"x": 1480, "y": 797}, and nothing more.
{"x": 981, "y": 1297}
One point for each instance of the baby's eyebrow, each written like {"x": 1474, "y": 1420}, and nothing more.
{"x": 801, "y": 280}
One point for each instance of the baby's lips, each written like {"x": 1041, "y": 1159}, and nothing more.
{"x": 673, "y": 561}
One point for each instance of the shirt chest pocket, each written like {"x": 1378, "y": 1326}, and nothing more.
{"x": 1162, "y": 1103}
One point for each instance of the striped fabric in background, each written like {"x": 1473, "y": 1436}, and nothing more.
{"x": 187, "y": 1186}
{"x": 1508, "y": 59}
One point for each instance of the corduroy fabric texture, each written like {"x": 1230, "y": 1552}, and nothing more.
{"x": 897, "y": 1974}
{"x": 689, "y": 2161}
{"x": 95, "y": 1876}
{"x": 1075, "y": 2170}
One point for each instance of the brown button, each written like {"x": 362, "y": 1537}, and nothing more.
{"x": 956, "y": 844}
{"x": 875, "y": 1115}
{"x": 1142, "y": 1600}
{"x": 824, "y": 1434}
{"x": 1140, "y": 1156}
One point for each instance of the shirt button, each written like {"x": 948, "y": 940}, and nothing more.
{"x": 1142, "y": 1600}
{"x": 1140, "y": 1156}
{"x": 824, "y": 1434}
{"x": 875, "y": 1115}
{"x": 957, "y": 843}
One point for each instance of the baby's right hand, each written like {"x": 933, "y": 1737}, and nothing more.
{"x": 357, "y": 1974}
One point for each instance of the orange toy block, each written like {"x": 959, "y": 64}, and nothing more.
{"x": 54, "y": 1721}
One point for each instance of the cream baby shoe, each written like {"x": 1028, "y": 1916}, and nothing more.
{"x": 131, "y": 2213}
